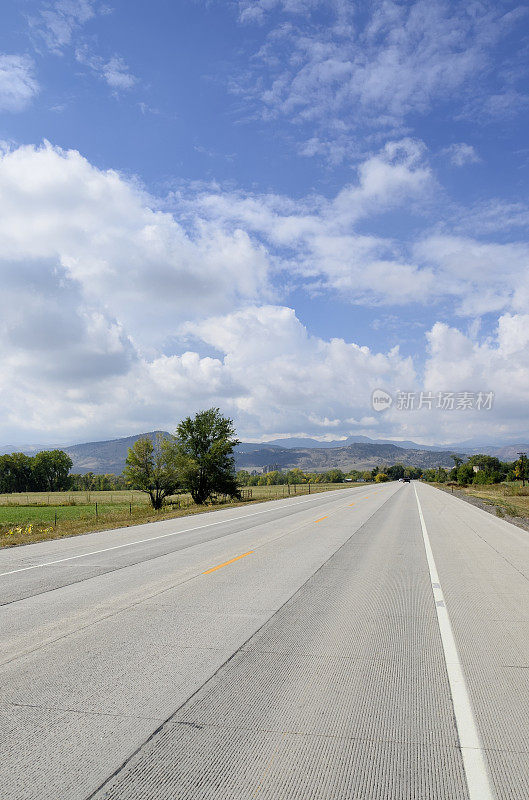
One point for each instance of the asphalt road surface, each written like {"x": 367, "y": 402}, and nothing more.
{"x": 367, "y": 643}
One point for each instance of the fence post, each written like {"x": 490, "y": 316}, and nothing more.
{"x": 55, "y": 518}
{"x": 309, "y": 487}
{"x": 96, "y": 510}
{"x": 130, "y": 509}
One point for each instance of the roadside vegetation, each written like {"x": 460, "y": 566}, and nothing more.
{"x": 194, "y": 471}
{"x": 26, "y": 518}
{"x": 508, "y": 500}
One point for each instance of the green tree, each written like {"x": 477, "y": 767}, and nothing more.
{"x": 395, "y": 472}
{"x": 50, "y": 470}
{"x": 204, "y": 448}
{"x": 381, "y": 477}
{"x": 16, "y": 473}
{"x": 465, "y": 474}
{"x": 243, "y": 477}
{"x": 151, "y": 467}
{"x": 335, "y": 476}
{"x": 296, "y": 475}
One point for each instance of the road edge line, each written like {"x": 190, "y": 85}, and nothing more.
{"x": 474, "y": 762}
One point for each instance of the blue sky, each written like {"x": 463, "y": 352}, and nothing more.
{"x": 274, "y": 206}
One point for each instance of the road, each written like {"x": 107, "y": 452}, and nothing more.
{"x": 367, "y": 643}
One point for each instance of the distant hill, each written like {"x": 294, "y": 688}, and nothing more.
{"x": 354, "y": 456}
{"x": 304, "y": 442}
{"x": 358, "y": 452}
{"x": 109, "y": 456}
{"x": 104, "y": 457}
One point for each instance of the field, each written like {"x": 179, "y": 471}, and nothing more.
{"x": 36, "y": 516}
{"x": 511, "y": 499}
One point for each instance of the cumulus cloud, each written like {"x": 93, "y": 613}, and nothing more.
{"x": 105, "y": 233}
{"x": 271, "y": 375}
{"x": 484, "y": 276}
{"x": 95, "y": 281}
{"x": 18, "y": 85}
{"x": 460, "y": 362}
{"x": 120, "y": 316}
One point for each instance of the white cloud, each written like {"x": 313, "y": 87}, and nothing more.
{"x": 288, "y": 380}
{"x": 375, "y": 69}
{"x": 117, "y": 75}
{"x": 460, "y": 154}
{"x": 316, "y": 239}
{"x": 256, "y": 11}
{"x": 101, "y": 295}
{"x": 115, "y": 71}
{"x": 18, "y": 85}
{"x": 57, "y": 22}
{"x": 484, "y": 276}
{"x": 458, "y": 362}
{"x": 491, "y": 216}
{"x": 271, "y": 376}
{"x": 104, "y": 234}
{"x": 325, "y": 244}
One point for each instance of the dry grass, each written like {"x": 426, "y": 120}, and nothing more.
{"x": 510, "y": 499}
{"x": 31, "y": 518}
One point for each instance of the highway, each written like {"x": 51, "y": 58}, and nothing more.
{"x": 370, "y": 643}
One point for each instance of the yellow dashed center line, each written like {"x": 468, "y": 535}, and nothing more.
{"x": 320, "y": 519}
{"x": 351, "y": 504}
{"x": 225, "y": 564}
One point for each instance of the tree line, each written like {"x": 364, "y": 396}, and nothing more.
{"x": 296, "y": 475}
{"x": 479, "y": 469}
{"x": 47, "y": 471}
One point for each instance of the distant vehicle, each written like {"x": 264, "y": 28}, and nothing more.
{"x": 406, "y": 480}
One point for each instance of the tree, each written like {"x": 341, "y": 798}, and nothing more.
{"x": 381, "y": 477}
{"x": 465, "y": 474}
{"x": 50, "y": 470}
{"x": 335, "y": 476}
{"x": 16, "y": 473}
{"x": 204, "y": 447}
{"x": 395, "y": 472}
{"x": 243, "y": 477}
{"x": 152, "y": 468}
{"x": 296, "y": 475}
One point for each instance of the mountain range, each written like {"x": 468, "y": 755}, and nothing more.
{"x": 355, "y": 452}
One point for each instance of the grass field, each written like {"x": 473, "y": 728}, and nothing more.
{"x": 508, "y": 498}
{"x": 36, "y": 516}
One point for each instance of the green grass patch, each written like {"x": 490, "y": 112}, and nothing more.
{"x": 35, "y": 519}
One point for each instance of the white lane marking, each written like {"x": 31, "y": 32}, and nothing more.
{"x": 474, "y": 762}
{"x": 153, "y": 538}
